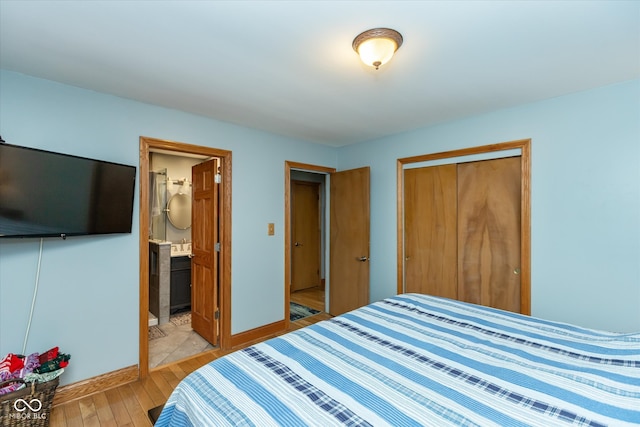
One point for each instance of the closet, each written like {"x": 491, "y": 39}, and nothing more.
{"x": 462, "y": 231}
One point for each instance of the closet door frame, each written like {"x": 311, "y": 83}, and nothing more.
{"x": 524, "y": 145}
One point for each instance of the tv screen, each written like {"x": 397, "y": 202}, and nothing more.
{"x": 46, "y": 194}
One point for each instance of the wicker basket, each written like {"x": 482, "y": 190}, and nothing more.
{"x": 29, "y": 406}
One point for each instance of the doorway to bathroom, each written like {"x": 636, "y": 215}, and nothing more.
{"x": 179, "y": 326}
{"x": 184, "y": 250}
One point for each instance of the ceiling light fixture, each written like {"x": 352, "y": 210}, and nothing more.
{"x": 377, "y": 46}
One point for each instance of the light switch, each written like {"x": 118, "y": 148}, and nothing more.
{"x": 271, "y": 230}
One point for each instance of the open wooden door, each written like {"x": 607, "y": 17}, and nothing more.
{"x": 349, "y": 240}
{"x": 305, "y": 235}
{"x": 205, "y": 250}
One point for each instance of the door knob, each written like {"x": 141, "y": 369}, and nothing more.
{"x": 297, "y": 244}
{"x": 516, "y": 271}
{"x": 363, "y": 259}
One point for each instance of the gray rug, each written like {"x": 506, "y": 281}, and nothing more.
{"x": 298, "y": 311}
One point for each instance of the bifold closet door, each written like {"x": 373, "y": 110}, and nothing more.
{"x": 489, "y": 194}
{"x": 430, "y": 237}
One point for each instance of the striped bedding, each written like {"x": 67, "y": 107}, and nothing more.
{"x": 416, "y": 360}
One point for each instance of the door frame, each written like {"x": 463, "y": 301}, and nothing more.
{"x": 288, "y": 167}
{"x": 148, "y": 145}
{"x": 525, "y": 204}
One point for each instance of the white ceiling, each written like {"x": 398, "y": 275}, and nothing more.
{"x": 287, "y": 67}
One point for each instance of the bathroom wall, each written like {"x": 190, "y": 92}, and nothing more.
{"x": 178, "y": 169}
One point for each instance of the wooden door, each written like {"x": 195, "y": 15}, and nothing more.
{"x": 349, "y": 240}
{"x": 305, "y": 235}
{"x": 204, "y": 264}
{"x": 430, "y": 244}
{"x": 489, "y": 194}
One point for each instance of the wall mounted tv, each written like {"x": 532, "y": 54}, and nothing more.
{"x": 46, "y": 194}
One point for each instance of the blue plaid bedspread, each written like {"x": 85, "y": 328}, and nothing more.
{"x": 415, "y": 360}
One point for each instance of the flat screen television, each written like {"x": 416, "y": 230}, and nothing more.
{"x": 47, "y": 194}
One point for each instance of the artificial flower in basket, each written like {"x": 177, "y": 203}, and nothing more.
{"x": 27, "y": 387}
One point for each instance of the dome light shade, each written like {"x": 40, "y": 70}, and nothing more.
{"x": 377, "y": 46}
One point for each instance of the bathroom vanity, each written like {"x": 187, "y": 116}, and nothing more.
{"x": 180, "y": 283}
{"x": 169, "y": 278}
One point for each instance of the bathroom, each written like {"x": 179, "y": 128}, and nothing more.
{"x": 170, "y": 187}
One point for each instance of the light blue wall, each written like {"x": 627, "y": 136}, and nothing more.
{"x": 585, "y": 212}
{"x": 585, "y": 199}
{"x": 89, "y": 296}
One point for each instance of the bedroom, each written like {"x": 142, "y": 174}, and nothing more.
{"x": 585, "y": 208}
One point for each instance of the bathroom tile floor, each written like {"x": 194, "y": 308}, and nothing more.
{"x": 179, "y": 342}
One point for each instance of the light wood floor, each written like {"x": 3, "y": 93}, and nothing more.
{"x": 127, "y": 405}
{"x": 311, "y": 297}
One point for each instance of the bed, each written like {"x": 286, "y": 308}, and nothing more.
{"x": 419, "y": 360}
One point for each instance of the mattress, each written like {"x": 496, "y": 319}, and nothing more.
{"x": 416, "y": 360}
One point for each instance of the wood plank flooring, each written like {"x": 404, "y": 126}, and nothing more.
{"x": 311, "y": 297}
{"x": 128, "y": 405}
